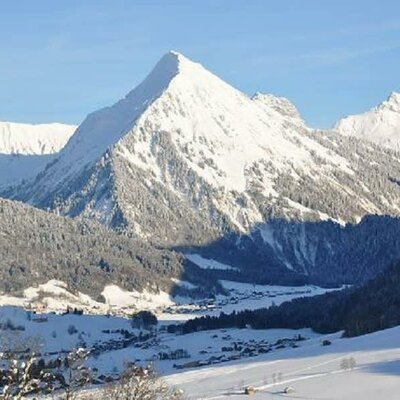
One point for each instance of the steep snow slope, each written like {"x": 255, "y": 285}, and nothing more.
{"x": 25, "y": 149}
{"x": 380, "y": 125}
{"x": 185, "y": 159}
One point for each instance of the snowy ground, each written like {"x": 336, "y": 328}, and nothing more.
{"x": 55, "y": 335}
{"x": 312, "y": 370}
{"x": 106, "y": 329}
{"x": 216, "y": 364}
{"x": 54, "y": 296}
{"x": 241, "y": 296}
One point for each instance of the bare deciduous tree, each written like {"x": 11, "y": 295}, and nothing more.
{"x": 18, "y": 380}
{"x": 138, "y": 383}
{"x": 77, "y": 375}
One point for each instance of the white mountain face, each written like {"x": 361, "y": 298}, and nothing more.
{"x": 25, "y": 149}
{"x": 185, "y": 159}
{"x": 380, "y": 125}
{"x": 31, "y": 139}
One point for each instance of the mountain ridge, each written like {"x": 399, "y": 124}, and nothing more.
{"x": 25, "y": 149}
{"x": 33, "y": 139}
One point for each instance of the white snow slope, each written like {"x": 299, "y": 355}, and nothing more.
{"x": 25, "y": 149}
{"x": 314, "y": 372}
{"x": 380, "y": 125}
{"x": 55, "y": 296}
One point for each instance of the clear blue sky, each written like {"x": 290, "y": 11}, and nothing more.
{"x": 61, "y": 59}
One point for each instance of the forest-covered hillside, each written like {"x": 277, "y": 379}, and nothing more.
{"x": 357, "y": 311}
{"x": 36, "y": 246}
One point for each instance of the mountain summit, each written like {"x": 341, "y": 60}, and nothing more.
{"x": 392, "y": 103}
{"x": 380, "y": 125}
{"x": 185, "y": 159}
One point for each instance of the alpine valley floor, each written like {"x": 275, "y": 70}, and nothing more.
{"x": 313, "y": 371}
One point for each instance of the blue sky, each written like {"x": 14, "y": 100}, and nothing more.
{"x": 60, "y": 60}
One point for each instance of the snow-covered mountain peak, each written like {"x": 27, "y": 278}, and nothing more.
{"x": 166, "y": 69}
{"x": 392, "y": 103}
{"x": 217, "y": 130}
{"x": 176, "y": 87}
{"x": 105, "y": 127}
{"x": 380, "y": 125}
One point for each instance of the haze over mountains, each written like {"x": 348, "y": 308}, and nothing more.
{"x": 185, "y": 161}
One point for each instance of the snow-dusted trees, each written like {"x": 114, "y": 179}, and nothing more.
{"x": 141, "y": 384}
{"x": 25, "y": 375}
{"x": 19, "y": 374}
{"x": 37, "y": 246}
{"x": 76, "y": 376}
{"x": 20, "y": 379}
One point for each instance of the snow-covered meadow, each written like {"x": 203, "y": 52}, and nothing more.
{"x": 313, "y": 371}
{"x": 55, "y": 296}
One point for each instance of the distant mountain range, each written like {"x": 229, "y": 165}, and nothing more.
{"x": 187, "y": 162}
{"x": 25, "y": 149}
{"x": 29, "y": 139}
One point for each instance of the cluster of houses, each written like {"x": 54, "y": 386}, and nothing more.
{"x": 238, "y": 349}
{"x": 126, "y": 339}
{"x": 235, "y": 297}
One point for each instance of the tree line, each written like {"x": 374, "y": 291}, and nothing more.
{"x": 355, "y": 311}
